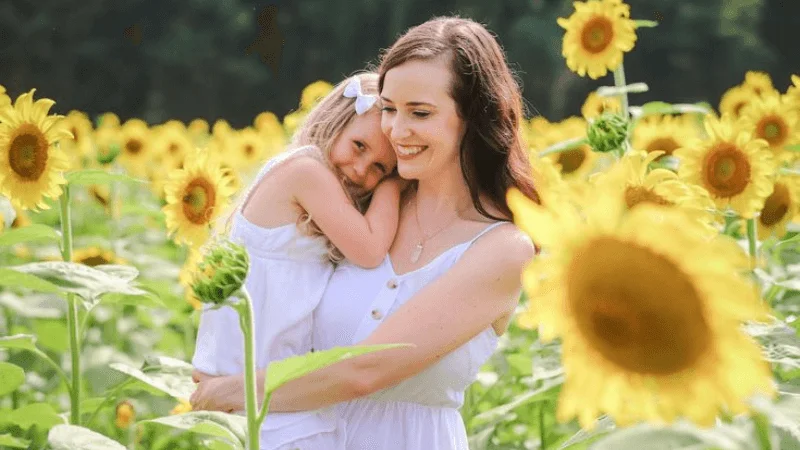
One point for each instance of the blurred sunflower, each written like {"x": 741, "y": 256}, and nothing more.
{"x": 250, "y": 148}
{"x": 293, "y": 120}
{"x": 198, "y": 130}
{"x": 171, "y": 144}
{"x": 108, "y": 119}
{"x": 759, "y": 82}
{"x": 779, "y": 208}
{"x": 615, "y": 286}
{"x": 135, "y": 151}
{"x": 5, "y": 100}
{"x": 735, "y": 99}
{"x": 595, "y": 105}
{"x": 31, "y": 164}
{"x": 735, "y": 168}
{"x": 313, "y": 93}
{"x": 775, "y": 119}
{"x": 196, "y": 195}
{"x": 107, "y": 146}
{"x": 597, "y": 35}
{"x": 185, "y": 277}
{"x": 80, "y": 146}
{"x": 183, "y": 406}
{"x": 95, "y": 256}
{"x": 125, "y": 415}
{"x": 574, "y": 163}
{"x": 632, "y": 180}
{"x": 662, "y": 133}
{"x": 793, "y": 92}
{"x": 271, "y": 130}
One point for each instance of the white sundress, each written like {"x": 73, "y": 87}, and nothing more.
{"x": 287, "y": 277}
{"x": 421, "y": 412}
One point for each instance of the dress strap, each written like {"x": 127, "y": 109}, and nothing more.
{"x": 484, "y": 231}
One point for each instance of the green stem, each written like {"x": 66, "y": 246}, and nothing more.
{"x": 542, "y": 437}
{"x": 262, "y": 414}
{"x": 564, "y": 146}
{"x": 751, "y": 239}
{"x": 72, "y": 312}
{"x": 762, "y": 431}
{"x": 57, "y": 368}
{"x": 619, "y": 81}
{"x": 110, "y": 398}
{"x": 246, "y": 322}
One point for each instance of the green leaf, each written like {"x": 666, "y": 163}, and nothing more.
{"x": 7, "y": 440}
{"x": 230, "y": 427}
{"x": 285, "y": 370}
{"x": 147, "y": 299}
{"x": 681, "y": 435}
{"x": 11, "y": 377}
{"x": 87, "y": 282}
{"x": 174, "y": 383}
{"x": 97, "y": 176}
{"x": 645, "y": 23}
{"x": 495, "y": 415}
{"x": 16, "y": 279}
{"x": 32, "y": 233}
{"x": 127, "y": 273}
{"x": 20, "y": 341}
{"x": 72, "y": 437}
{"x": 50, "y": 334}
{"x": 40, "y": 414}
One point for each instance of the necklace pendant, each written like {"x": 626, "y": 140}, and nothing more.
{"x": 416, "y": 253}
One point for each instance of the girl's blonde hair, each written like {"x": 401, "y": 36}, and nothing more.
{"x": 320, "y": 128}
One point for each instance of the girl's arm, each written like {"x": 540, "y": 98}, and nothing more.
{"x": 483, "y": 286}
{"x": 362, "y": 239}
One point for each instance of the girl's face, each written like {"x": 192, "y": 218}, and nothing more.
{"x": 361, "y": 154}
{"x": 421, "y": 119}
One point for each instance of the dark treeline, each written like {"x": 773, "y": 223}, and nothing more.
{"x": 162, "y": 59}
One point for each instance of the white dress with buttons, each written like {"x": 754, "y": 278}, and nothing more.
{"x": 422, "y": 412}
{"x": 288, "y": 274}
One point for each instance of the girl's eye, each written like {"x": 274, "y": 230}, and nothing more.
{"x": 421, "y": 114}
{"x": 387, "y": 109}
{"x": 360, "y": 145}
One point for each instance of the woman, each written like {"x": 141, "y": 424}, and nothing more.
{"x": 451, "y": 280}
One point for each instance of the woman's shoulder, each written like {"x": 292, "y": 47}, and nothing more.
{"x": 503, "y": 242}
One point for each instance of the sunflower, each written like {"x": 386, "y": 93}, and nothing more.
{"x": 597, "y": 35}
{"x": 793, "y": 92}
{"x": 648, "y": 309}
{"x": 80, "y": 146}
{"x": 759, "y": 82}
{"x": 171, "y": 144}
{"x": 735, "y": 168}
{"x": 779, "y": 208}
{"x": 774, "y": 119}
{"x": 313, "y": 93}
{"x": 108, "y": 119}
{"x": 5, "y": 100}
{"x": 271, "y": 130}
{"x": 250, "y": 147}
{"x": 31, "y": 165}
{"x": 95, "y": 256}
{"x": 636, "y": 185}
{"x": 196, "y": 195}
{"x": 574, "y": 163}
{"x": 735, "y": 99}
{"x": 595, "y": 105}
{"x": 186, "y": 275}
{"x": 662, "y": 133}
{"x": 135, "y": 151}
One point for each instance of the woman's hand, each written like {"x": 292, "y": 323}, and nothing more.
{"x": 223, "y": 393}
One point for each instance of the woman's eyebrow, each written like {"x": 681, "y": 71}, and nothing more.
{"x": 416, "y": 103}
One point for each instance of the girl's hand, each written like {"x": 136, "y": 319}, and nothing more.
{"x": 224, "y": 393}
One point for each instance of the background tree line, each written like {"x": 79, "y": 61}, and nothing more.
{"x": 159, "y": 59}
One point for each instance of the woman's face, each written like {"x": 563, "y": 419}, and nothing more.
{"x": 361, "y": 154}
{"x": 421, "y": 119}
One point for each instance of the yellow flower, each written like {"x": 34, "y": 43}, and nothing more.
{"x": 575, "y": 163}
{"x": 80, "y": 145}
{"x": 5, "y": 100}
{"x": 186, "y": 275}
{"x": 183, "y": 406}
{"x": 779, "y": 208}
{"x": 109, "y": 120}
{"x": 662, "y": 133}
{"x": 95, "y": 256}
{"x": 31, "y": 165}
{"x": 249, "y": 145}
{"x": 135, "y": 151}
{"x": 794, "y": 91}
{"x": 271, "y": 130}
{"x": 759, "y": 82}
{"x": 313, "y": 93}
{"x": 595, "y": 105}
{"x": 636, "y": 185}
{"x": 774, "y": 119}
{"x": 648, "y": 308}
{"x": 125, "y": 415}
{"x": 735, "y": 168}
{"x": 735, "y": 99}
{"x": 293, "y": 120}
{"x": 597, "y": 35}
{"x": 196, "y": 195}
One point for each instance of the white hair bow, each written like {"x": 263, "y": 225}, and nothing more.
{"x": 363, "y": 101}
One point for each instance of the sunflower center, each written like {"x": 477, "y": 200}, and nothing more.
{"x": 248, "y": 150}
{"x": 198, "y": 201}
{"x": 74, "y": 131}
{"x": 636, "y": 307}
{"x": 635, "y": 195}
{"x": 772, "y": 129}
{"x": 95, "y": 260}
{"x": 664, "y": 144}
{"x": 173, "y": 148}
{"x": 737, "y": 108}
{"x": 133, "y": 146}
{"x": 776, "y": 206}
{"x": 27, "y": 153}
{"x": 597, "y": 34}
{"x": 726, "y": 171}
{"x": 571, "y": 160}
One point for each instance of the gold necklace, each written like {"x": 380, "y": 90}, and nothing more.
{"x": 417, "y": 252}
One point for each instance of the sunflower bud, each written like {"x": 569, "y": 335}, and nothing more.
{"x": 221, "y": 273}
{"x": 109, "y": 155}
{"x": 608, "y": 132}
{"x": 125, "y": 414}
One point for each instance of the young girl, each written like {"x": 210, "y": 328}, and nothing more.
{"x": 303, "y": 213}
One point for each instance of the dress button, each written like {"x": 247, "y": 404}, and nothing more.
{"x": 376, "y": 314}
{"x": 391, "y": 284}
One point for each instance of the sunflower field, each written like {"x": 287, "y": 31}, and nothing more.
{"x": 662, "y": 311}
